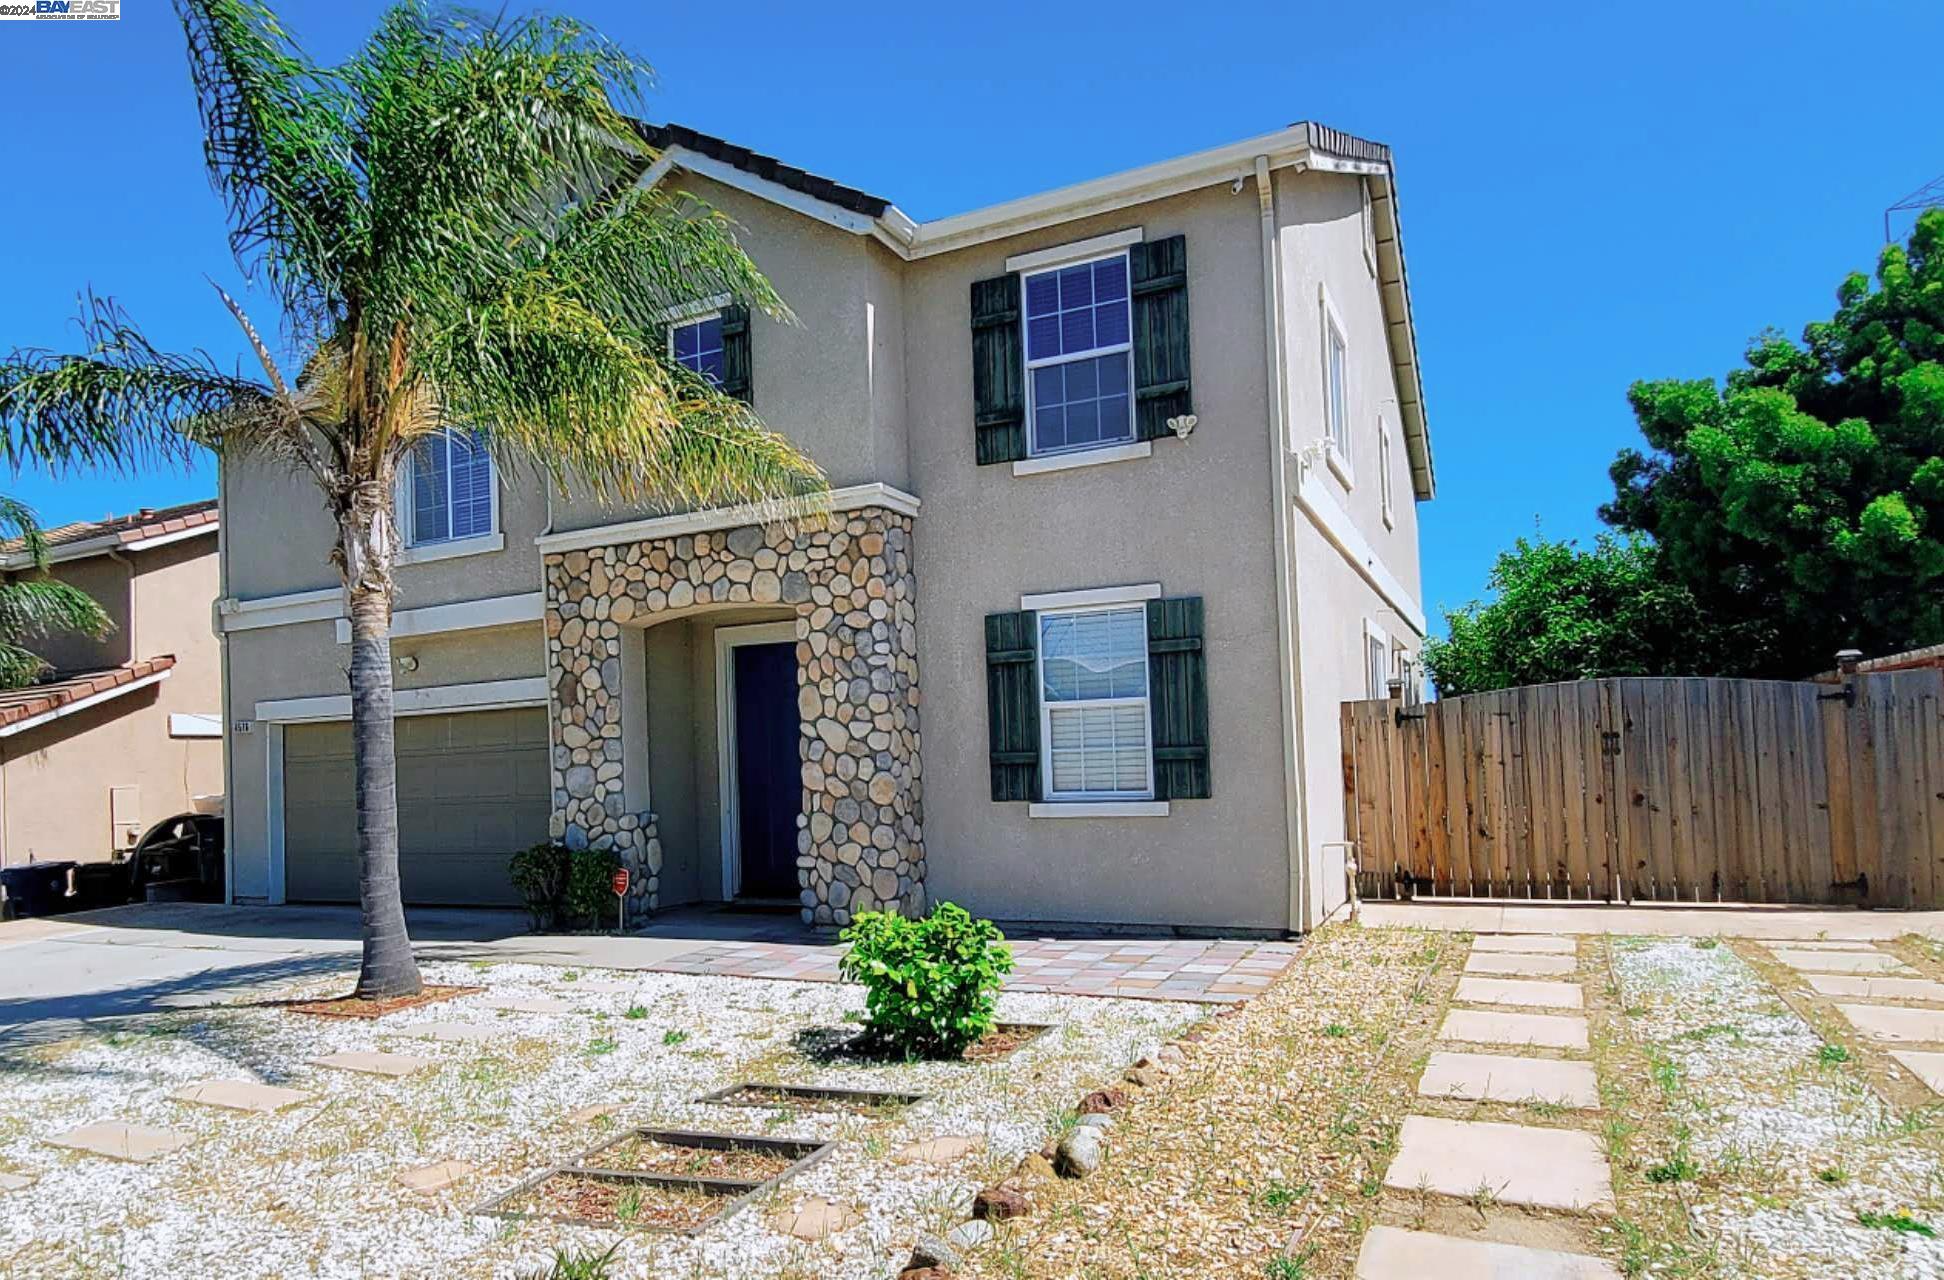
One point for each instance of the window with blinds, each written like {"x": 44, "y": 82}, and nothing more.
{"x": 1094, "y": 704}
{"x": 451, "y": 490}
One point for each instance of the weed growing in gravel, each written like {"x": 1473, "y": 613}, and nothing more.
{"x": 1898, "y": 1221}
{"x": 1726, "y": 1030}
{"x": 602, "y": 1044}
{"x": 570, "y": 975}
{"x": 1279, "y": 1195}
{"x": 1336, "y": 1031}
{"x": 1834, "y": 1175}
{"x": 1831, "y": 1054}
{"x": 1289, "y": 1266}
{"x": 636, "y": 1012}
{"x": 674, "y": 1037}
{"x": 572, "y": 1264}
{"x": 1706, "y": 944}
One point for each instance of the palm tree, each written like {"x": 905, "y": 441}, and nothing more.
{"x": 451, "y": 227}
{"x": 35, "y": 605}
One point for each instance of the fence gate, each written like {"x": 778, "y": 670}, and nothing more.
{"x": 1652, "y": 789}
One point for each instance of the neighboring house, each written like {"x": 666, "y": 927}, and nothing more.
{"x": 126, "y": 730}
{"x": 1124, "y": 480}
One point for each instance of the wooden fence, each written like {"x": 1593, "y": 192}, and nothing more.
{"x": 1672, "y": 790}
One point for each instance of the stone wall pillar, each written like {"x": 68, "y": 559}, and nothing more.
{"x": 848, "y": 578}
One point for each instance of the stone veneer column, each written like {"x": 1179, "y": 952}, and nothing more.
{"x": 860, "y": 830}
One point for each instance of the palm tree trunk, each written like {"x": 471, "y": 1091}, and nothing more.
{"x": 388, "y": 967}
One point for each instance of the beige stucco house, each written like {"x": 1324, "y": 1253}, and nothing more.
{"x": 1124, "y": 481}
{"x": 126, "y": 729}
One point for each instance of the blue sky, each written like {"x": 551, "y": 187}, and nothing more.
{"x": 1591, "y": 194}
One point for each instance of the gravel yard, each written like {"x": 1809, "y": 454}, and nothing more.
{"x": 311, "y": 1190}
{"x": 1789, "y": 1164}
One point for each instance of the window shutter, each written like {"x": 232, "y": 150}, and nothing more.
{"x": 998, "y": 371}
{"x": 1160, "y": 289}
{"x": 1178, "y": 699}
{"x": 1012, "y": 704}
{"x": 735, "y": 352}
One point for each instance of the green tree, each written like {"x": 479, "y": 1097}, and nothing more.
{"x": 1803, "y": 501}
{"x": 32, "y": 604}
{"x": 1563, "y": 613}
{"x": 450, "y": 226}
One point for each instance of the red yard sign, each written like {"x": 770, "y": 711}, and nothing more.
{"x": 620, "y": 883}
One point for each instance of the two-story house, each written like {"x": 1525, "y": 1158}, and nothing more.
{"x": 125, "y": 729}
{"x": 1123, "y": 506}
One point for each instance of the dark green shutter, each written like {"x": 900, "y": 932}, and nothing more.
{"x": 1012, "y": 704}
{"x": 1178, "y": 698}
{"x": 735, "y": 352}
{"x": 1160, "y": 287}
{"x": 998, "y": 370}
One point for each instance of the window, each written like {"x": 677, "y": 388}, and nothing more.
{"x": 449, "y": 490}
{"x": 1377, "y": 662}
{"x": 1336, "y": 393}
{"x": 1369, "y": 228}
{"x": 1094, "y": 704}
{"x": 1384, "y": 482}
{"x": 1079, "y": 359}
{"x": 697, "y": 345}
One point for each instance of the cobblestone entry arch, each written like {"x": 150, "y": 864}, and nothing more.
{"x": 860, "y": 830}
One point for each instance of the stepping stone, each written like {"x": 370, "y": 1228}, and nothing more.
{"x": 1488, "y": 1077}
{"x": 1524, "y": 1030}
{"x": 1928, "y": 1067}
{"x": 938, "y": 1150}
{"x": 241, "y": 1095}
{"x": 1844, "y": 962}
{"x": 135, "y": 1143}
{"x": 1871, "y": 988}
{"x": 589, "y": 1114}
{"x": 1818, "y": 944}
{"x": 526, "y": 1004}
{"x": 605, "y": 986}
{"x": 1539, "y": 995}
{"x": 1529, "y": 965}
{"x": 1392, "y": 1253}
{"x": 1517, "y": 1164}
{"x": 1527, "y": 942}
{"x": 14, "y": 1182}
{"x": 433, "y": 1178}
{"x": 1888, "y": 1022}
{"x": 814, "y": 1219}
{"x": 374, "y": 1064}
{"x": 451, "y": 1032}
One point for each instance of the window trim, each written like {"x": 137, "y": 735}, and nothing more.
{"x": 1146, "y": 700}
{"x": 1371, "y": 631}
{"x": 405, "y": 509}
{"x": 1369, "y": 216}
{"x": 1386, "y": 483}
{"x": 1339, "y": 454}
{"x": 1029, "y": 365}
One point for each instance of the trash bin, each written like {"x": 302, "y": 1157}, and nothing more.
{"x": 38, "y": 888}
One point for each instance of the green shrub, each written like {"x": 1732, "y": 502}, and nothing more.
{"x": 540, "y": 874}
{"x": 931, "y": 985}
{"x": 563, "y": 886}
{"x": 589, "y": 898}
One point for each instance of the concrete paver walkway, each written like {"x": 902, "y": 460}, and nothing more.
{"x": 1390, "y": 1253}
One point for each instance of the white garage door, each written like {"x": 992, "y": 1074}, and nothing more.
{"x": 472, "y": 789}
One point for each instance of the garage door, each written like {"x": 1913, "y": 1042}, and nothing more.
{"x": 472, "y": 789}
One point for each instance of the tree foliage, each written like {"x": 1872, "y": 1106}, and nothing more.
{"x": 33, "y": 605}
{"x": 1803, "y": 501}
{"x": 1561, "y": 612}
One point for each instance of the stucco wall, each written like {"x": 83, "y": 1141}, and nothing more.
{"x": 104, "y": 580}
{"x": 1194, "y": 517}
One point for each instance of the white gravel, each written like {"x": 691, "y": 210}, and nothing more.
{"x": 310, "y": 1191}
{"x": 1765, "y": 1116}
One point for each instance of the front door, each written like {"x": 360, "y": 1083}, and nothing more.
{"x": 769, "y": 777}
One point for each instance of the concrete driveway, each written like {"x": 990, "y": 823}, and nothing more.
{"x": 96, "y": 965}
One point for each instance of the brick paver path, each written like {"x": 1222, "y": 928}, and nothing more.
{"x": 1192, "y": 970}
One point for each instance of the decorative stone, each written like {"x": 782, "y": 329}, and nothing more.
{"x": 997, "y": 1204}
{"x": 589, "y": 1114}
{"x": 814, "y": 1219}
{"x": 970, "y": 1235}
{"x": 930, "y": 1251}
{"x": 1102, "y": 1101}
{"x": 1080, "y": 1152}
{"x": 434, "y": 1178}
{"x": 942, "y": 1150}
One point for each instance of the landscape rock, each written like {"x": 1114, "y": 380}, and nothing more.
{"x": 1035, "y": 1166}
{"x": 932, "y": 1252}
{"x": 1145, "y": 1076}
{"x": 969, "y": 1235}
{"x": 997, "y": 1204}
{"x": 1101, "y": 1101}
{"x": 1095, "y": 1121}
{"x": 1080, "y": 1153}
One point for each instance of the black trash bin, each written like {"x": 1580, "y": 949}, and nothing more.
{"x": 38, "y": 888}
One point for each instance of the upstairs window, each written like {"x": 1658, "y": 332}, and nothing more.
{"x": 1385, "y": 484}
{"x": 449, "y": 490}
{"x": 1336, "y": 392}
{"x": 697, "y": 345}
{"x": 1094, "y": 704}
{"x": 1079, "y": 356}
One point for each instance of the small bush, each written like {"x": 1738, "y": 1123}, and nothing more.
{"x": 540, "y": 874}
{"x": 563, "y": 886}
{"x": 931, "y": 985}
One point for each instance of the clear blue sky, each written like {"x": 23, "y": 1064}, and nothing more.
{"x": 1591, "y": 193}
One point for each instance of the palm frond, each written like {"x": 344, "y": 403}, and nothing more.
{"x": 119, "y": 402}
{"x": 278, "y": 146}
{"x": 43, "y": 606}
{"x": 18, "y": 521}
{"x": 19, "y": 666}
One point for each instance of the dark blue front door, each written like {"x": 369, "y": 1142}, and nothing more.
{"x": 769, "y": 778}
